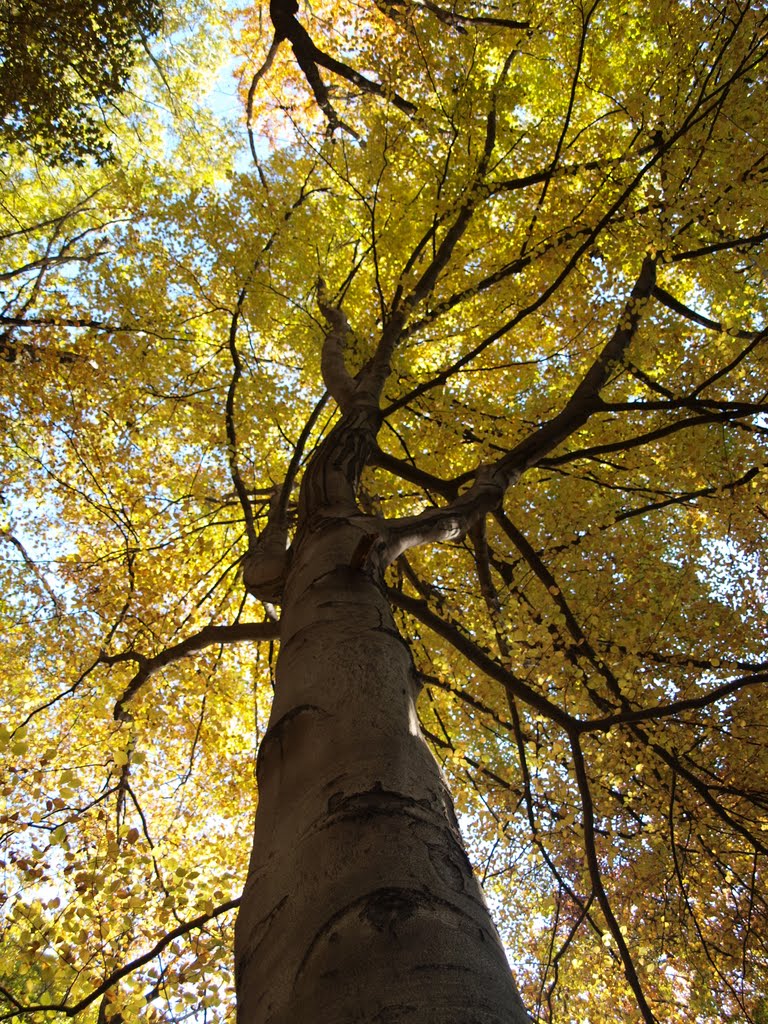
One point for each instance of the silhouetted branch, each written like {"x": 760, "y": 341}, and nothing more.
{"x": 309, "y": 58}
{"x": 420, "y": 610}
{"x": 663, "y": 296}
{"x": 674, "y": 708}
{"x": 229, "y": 417}
{"x": 122, "y": 972}
{"x": 590, "y": 850}
{"x": 239, "y": 632}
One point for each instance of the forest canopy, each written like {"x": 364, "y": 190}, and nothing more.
{"x": 61, "y": 65}
{"x": 536, "y": 234}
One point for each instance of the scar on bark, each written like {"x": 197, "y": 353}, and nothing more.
{"x": 242, "y": 961}
{"x": 375, "y": 802}
{"x": 363, "y": 550}
{"x": 277, "y": 734}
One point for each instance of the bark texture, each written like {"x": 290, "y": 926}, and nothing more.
{"x": 360, "y": 904}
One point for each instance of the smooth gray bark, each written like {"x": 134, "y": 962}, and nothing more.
{"x": 360, "y": 903}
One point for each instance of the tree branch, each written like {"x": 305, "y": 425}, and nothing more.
{"x": 122, "y": 972}
{"x": 238, "y": 632}
{"x": 336, "y": 376}
{"x": 229, "y": 415}
{"x": 585, "y": 399}
{"x": 31, "y": 565}
{"x": 457, "y": 20}
{"x": 287, "y": 26}
{"x": 747, "y": 241}
{"x": 452, "y": 521}
{"x": 597, "y": 882}
{"x": 663, "y": 296}
{"x": 266, "y": 561}
{"x": 640, "y": 439}
{"x": 675, "y": 708}
{"x": 420, "y": 610}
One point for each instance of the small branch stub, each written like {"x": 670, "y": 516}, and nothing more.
{"x": 266, "y": 564}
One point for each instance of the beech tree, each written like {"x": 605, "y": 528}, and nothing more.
{"x": 388, "y": 461}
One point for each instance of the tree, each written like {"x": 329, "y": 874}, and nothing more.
{"x": 60, "y": 64}
{"x": 459, "y": 387}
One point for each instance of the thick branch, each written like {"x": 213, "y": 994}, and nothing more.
{"x": 700, "y": 111}
{"x": 457, "y": 20}
{"x": 454, "y": 520}
{"x": 597, "y": 883}
{"x": 723, "y": 371}
{"x": 378, "y": 370}
{"x": 641, "y": 439}
{"x": 46, "y": 262}
{"x": 68, "y": 321}
{"x": 252, "y": 93}
{"x": 266, "y": 562}
{"x": 585, "y": 400}
{"x": 409, "y": 471}
{"x": 286, "y": 25}
{"x": 229, "y": 416}
{"x": 747, "y": 241}
{"x": 32, "y": 566}
{"x": 336, "y": 376}
{"x": 451, "y": 522}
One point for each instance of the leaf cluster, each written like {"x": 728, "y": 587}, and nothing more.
{"x": 60, "y": 65}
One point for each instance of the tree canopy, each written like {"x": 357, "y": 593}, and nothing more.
{"x": 551, "y": 219}
{"x": 60, "y": 64}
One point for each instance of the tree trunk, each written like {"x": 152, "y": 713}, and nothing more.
{"x": 360, "y": 903}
